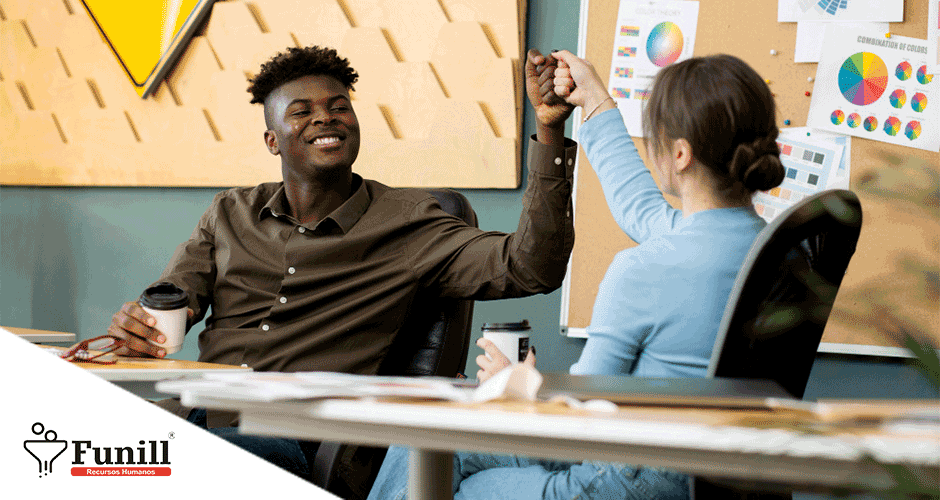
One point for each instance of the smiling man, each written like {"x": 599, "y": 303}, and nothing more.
{"x": 320, "y": 271}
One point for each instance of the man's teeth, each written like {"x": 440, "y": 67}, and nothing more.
{"x": 320, "y": 141}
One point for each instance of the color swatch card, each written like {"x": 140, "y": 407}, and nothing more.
{"x": 876, "y": 87}
{"x": 648, "y": 37}
{"x": 840, "y": 10}
{"x": 811, "y": 165}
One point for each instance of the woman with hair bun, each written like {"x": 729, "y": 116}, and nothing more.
{"x": 711, "y": 138}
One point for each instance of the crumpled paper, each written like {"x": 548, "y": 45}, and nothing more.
{"x": 517, "y": 382}
{"x": 521, "y": 382}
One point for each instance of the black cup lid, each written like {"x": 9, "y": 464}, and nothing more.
{"x": 511, "y": 327}
{"x": 164, "y": 296}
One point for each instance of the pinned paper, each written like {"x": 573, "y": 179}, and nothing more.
{"x": 876, "y": 88}
{"x": 809, "y": 37}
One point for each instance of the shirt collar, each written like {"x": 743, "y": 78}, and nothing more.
{"x": 345, "y": 216}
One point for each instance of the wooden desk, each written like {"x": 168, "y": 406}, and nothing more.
{"x": 137, "y": 375}
{"x": 140, "y": 375}
{"x": 41, "y": 336}
{"x": 783, "y": 447}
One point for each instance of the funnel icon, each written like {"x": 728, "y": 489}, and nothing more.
{"x": 45, "y": 451}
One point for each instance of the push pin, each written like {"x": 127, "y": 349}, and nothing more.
{"x": 773, "y": 52}
{"x": 809, "y": 79}
{"x": 887, "y": 35}
{"x": 773, "y": 95}
{"x": 786, "y": 122}
{"x": 767, "y": 81}
{"x": 806, "y": 93}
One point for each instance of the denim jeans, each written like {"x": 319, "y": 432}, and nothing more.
{"x": 287, "y": 454}
{"x": 482, "y": 477}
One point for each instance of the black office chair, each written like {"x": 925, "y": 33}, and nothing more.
{"x": 348, "y": 470}
{"x": 779, "y": 306}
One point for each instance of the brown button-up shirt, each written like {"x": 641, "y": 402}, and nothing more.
{"x": 332, "y": 296}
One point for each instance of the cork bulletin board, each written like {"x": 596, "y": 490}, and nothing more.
{"x": 891, "y": 229}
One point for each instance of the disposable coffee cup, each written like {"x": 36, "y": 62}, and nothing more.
{"x": 167, "y": 303}
{"x": 512, "y": 339}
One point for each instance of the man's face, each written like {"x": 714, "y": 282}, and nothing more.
{"x": 312, "y": 125}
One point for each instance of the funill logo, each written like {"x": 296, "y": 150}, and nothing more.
{"x": 46, "y": 450}
{"x": 148, "y": 453}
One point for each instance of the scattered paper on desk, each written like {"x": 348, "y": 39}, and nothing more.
{"x": 272, "y": 386}
{"x": 809, "y": 163}
{"x": 876, "y": 88}
{"x": 647, "y": 37}
{"x": 518, "y": 382}
{"x": 810, "y": 34}
{"x": 840, "y": 10}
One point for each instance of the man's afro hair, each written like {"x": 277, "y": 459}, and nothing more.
{"x": 297, "y": 63}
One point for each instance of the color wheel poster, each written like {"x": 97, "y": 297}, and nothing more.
{"x": 648, "y": 37}
{"x": 874, "y": 87}
{"x": 840, "y": 10}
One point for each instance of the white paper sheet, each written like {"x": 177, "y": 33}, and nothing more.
{"x": 891, "y": 11}
{"x": 648, "y": 36}
{"x": 876, "y": 88}
{"x": 840, "y": 178}
{"x": 933, "y": 35}
{"x": 811, "y": 165}
{"x": 809, "y": 37}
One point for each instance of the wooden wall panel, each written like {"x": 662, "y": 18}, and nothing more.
{"x": 71, "y": 117}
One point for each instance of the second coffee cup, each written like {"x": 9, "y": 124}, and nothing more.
{"x": 512, "y": 339}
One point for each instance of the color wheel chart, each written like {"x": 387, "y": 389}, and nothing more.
{"x": 875, "y": 88}
{"x": 809, "y": 167}
{"x": 648, "y": 36}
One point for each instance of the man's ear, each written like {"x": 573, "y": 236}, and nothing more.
{"x": 270, "y": 140}
{"x": 681, "y": 154}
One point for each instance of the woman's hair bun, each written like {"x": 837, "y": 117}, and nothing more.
{"x": 757, "y": 164}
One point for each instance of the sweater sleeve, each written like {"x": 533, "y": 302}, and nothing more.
{"x": 634, "y": 200}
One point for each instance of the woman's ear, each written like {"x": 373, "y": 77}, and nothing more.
{"x": 681, "y": 154}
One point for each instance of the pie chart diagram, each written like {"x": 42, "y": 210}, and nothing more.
{"x": 912, "y": 130}
{"x": 664, "y": 45}
{"x": 922, "y": 75}
{"x": 919, "y": 102}
{"x": 898, "y": 98}
{"x": 854, "y": 120}
{"x": 871, "y": 123}
{"x": 863, "y": 78}
{"x": 837, "y": 117}
{"x": 903, "y": 71}
{"x": 892, "y": 126}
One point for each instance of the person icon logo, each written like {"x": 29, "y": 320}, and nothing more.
{"x": 45, "y": 451}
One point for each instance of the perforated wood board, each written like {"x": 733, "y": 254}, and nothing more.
{"x": 439, "y": 97}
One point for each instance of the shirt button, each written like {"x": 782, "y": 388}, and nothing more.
{"x": 301, "y": 229}
{"x": 570, "y": 161}
{"x": 291, "y": 270}
{"x": 558, "y": 161}
{"x": 283, "y": 300}
{"x": 265, "y": 327}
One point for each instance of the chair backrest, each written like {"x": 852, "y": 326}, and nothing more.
{"x": 435, "y": 341}
{"x": 784, "y": 292}
{"x": 438, "y": 333}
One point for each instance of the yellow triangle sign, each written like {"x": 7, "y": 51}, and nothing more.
{"x": 147, "y": 36}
